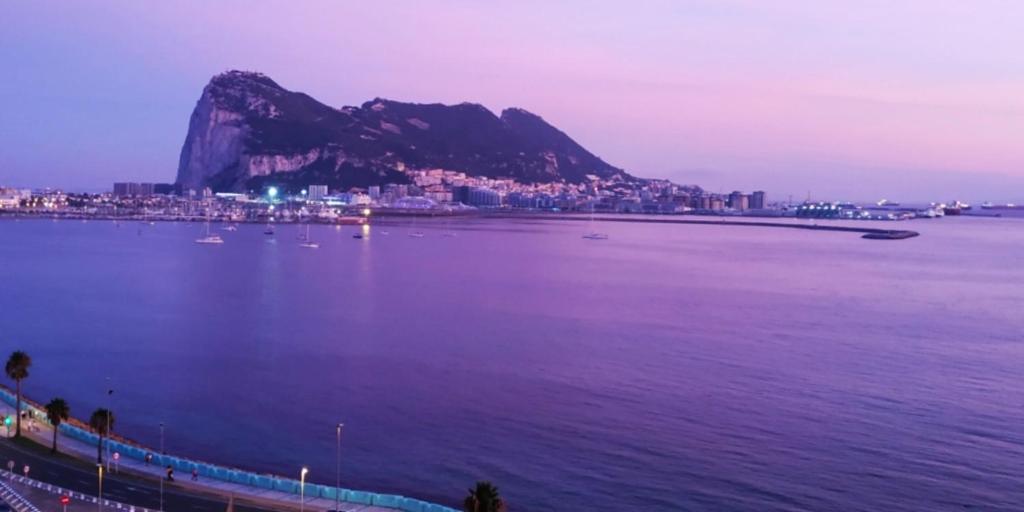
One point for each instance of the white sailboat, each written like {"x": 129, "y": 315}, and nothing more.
{"x": 448, "y": 233}
{"x": 307, "y": 242}
{"x": 594, "y": 235}
{"x": 209, "y": 239}
{"x": 416, "y": 233}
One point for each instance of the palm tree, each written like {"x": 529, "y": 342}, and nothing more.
{"x": 57, "y": 411}
{"x": 484, "y": 498}
{"x": 102, "y": 421}
{"x": 17, "y": 369}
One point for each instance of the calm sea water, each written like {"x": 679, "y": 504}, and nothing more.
{"x": 706, "y": 368}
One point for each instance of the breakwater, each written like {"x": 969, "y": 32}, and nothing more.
{"x": 878, "y": 233}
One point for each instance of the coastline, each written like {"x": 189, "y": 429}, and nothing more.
{"x": 227, "y": 480}
{"x": 720, "y": 220}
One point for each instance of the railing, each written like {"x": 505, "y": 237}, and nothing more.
{"x": 236, "y": 476}
{"x": 15, "y": 500}
{"x": 57, "y": 491}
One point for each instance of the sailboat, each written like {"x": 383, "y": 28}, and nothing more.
{"x": 416, "y": 233}
{"x": 308, "y": 242}
{"x": 209, "y": 239}
{"x": 594, "y": 235}
{"x": 448, "y": 228}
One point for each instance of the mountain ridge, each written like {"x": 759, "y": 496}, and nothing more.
{"x": 247, "y": 130}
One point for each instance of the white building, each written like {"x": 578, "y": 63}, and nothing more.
{"x": 316, "y": 193}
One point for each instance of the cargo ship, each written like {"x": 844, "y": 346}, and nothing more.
{"x": 956, "y": 208}
{"x": 1007, "y": 206}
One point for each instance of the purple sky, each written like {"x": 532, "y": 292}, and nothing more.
{"x": 912, "y": 100}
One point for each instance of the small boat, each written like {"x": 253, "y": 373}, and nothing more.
{"x": 269, "y": 230}
{"x": 358, "y": 235}
{"x": 595, "y": 236}
{"x": 209, "y": 239}
{"x": 417, "y": 234}
{"x": 449, "y": 234}
{"x": 230, "y": 227}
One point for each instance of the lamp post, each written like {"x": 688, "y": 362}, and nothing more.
{"x": 99, "y": 499}
{"x": 337, "y": 483}
{"x": 302, "y": 489}
{"x": 161, "y": 478}
{"x": 110, "y": 408}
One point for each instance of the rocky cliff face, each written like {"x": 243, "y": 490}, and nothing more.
{"x": 247, "y": 130}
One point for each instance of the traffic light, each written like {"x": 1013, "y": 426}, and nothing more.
{"x": 8, "y": 420}
{"x": 64, "y": 500}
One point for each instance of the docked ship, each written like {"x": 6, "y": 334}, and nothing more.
{"x": 956, "y": 208}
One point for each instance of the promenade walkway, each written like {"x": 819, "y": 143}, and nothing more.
{"x": 265, "y": 490}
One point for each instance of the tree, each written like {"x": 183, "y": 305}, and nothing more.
{"x": 17, "y": 369}
{"x": 484, "y": 498}
{"x": 57, "y": 411}
{"x": 102, "y": 421}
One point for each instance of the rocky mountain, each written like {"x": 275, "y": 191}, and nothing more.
{"x": 246, "y": 130}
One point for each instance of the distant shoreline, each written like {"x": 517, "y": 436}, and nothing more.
{"x": 870, "y": 233}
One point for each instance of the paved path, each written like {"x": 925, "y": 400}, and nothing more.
{"x": 138, "y": 484}
{"x": 80, "y": 478}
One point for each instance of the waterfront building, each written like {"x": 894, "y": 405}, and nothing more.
{"x": 415, "y": 203}
{"x": 481, "y": 196}
{"x": 460, "y": 194}
{"x": 396, "y": 191}
{"x": 758, "y": 200}
{"x": 439, "y": 196}
{"x": 11, "y": 198}
{"x": 738, "y": 200}
{"x": 316, "y": 192}
{"x": 132, "y": 189}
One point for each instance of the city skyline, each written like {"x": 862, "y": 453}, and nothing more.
{"x": 793, "y": 99}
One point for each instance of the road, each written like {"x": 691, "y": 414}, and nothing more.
{"x": 79, "y": 477}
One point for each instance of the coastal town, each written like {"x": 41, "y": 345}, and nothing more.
{"x": 444, "y": 192}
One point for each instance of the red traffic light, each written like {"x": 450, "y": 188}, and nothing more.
{"x": 64, "y": 500}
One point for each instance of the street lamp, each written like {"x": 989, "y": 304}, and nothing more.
{"x": 99, "y": 498}
{"x": 302, "y": 489}
{"x": 161, "y": 459}
{"x": 110, "y": 408}
{"x": 337, "y": 484}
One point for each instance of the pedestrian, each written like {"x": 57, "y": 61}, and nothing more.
{"x": 149, "y": 458}
{"x": 25, "y": 470}
{"x": 170, "y": 473}
{"x": 195, "y": 474}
